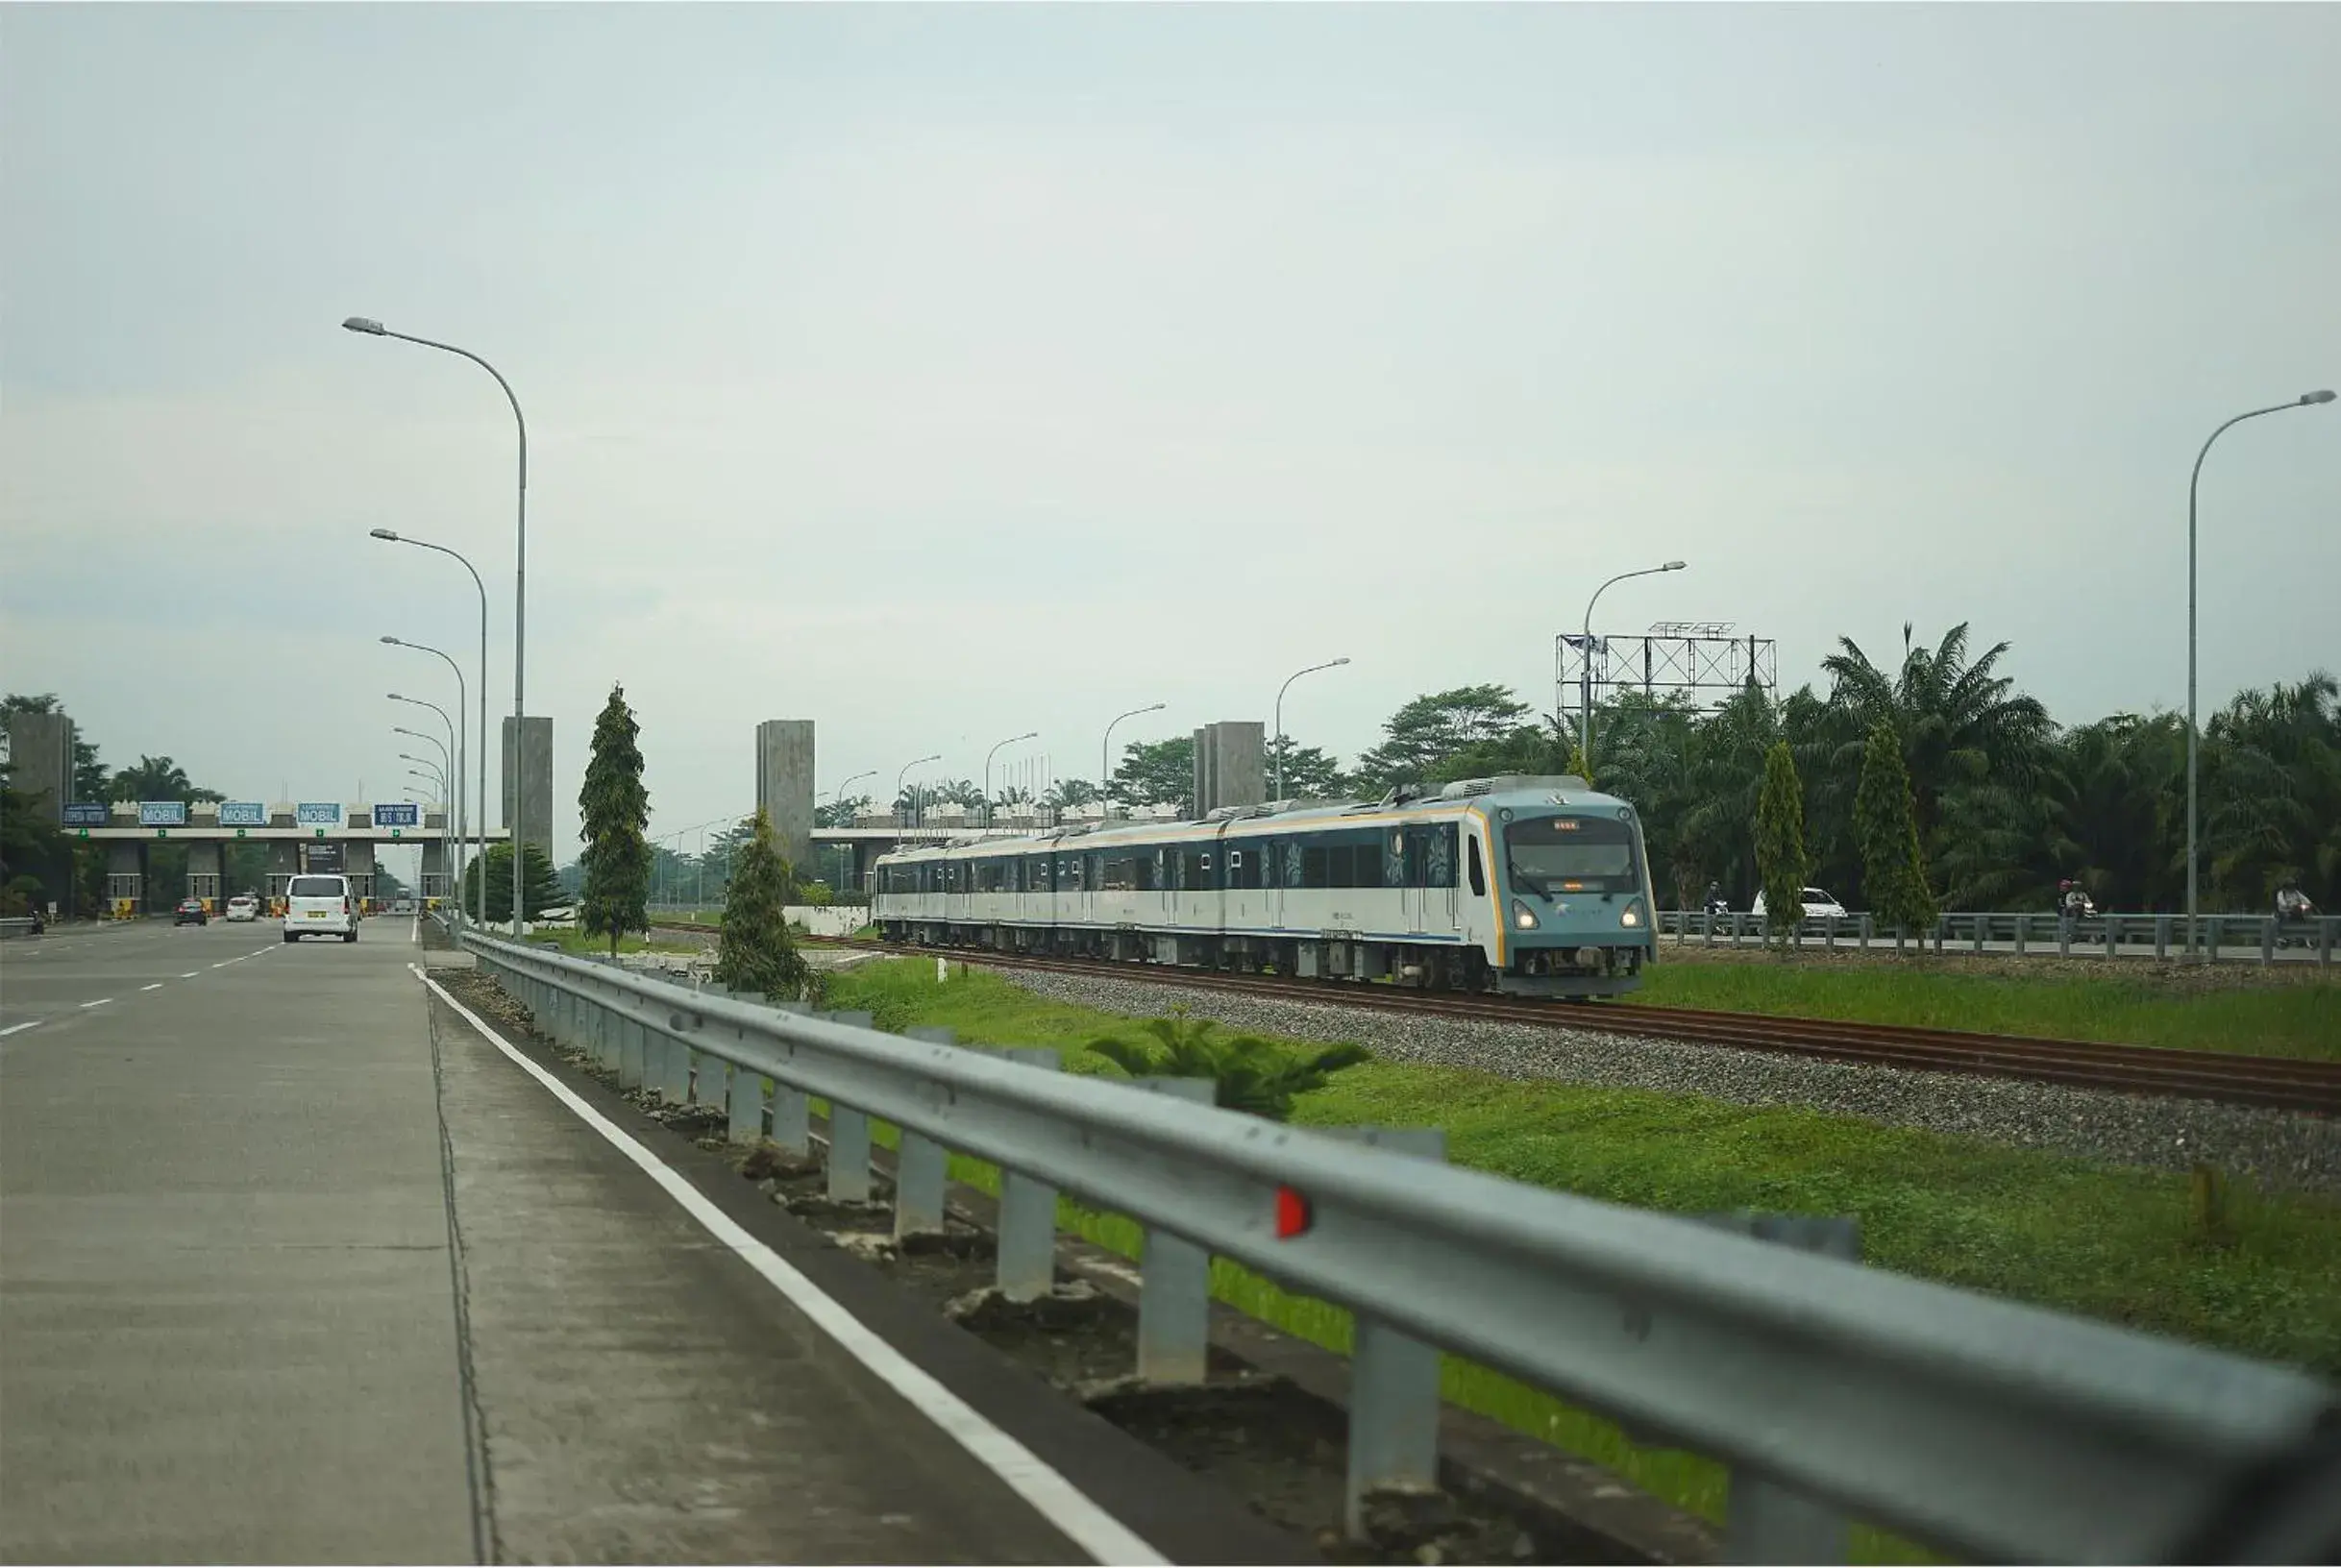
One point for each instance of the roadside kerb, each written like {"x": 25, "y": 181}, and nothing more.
{"x": 1979, "y": 1425}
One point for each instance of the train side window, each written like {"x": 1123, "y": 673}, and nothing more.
{"x": 1235, "y": 868}
{"x": 1479, "y": 877}
{"x": 1313, "y": 867}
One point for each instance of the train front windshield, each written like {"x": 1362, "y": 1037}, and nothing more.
{"x": 1573, "y": 854}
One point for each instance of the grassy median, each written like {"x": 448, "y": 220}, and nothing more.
{"x": 2122, "y": 1244}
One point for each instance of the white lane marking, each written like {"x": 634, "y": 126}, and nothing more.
{"x": 223, "y": 963}
{"x": 191, "y": 974}
{"x": 156, "y": 986}
{"x": 17, "y": 1028}
{"x": 100, "y": 1002}
{"x": 1055, "y": 1499}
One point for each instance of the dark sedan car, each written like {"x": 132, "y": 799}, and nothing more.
{"x": 190, "y": 912}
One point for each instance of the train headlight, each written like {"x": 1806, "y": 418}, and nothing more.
{"x": 1522, "y": 915}
{"x": 1633, "y": 916}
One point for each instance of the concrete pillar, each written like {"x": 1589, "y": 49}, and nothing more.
{"x": 784, "y": 788}
{"x": 203, "y": 873}
{"x": 434, "y": 870}
{"x": 1230, "y": 760}
{"x": 40, "y": 762}
{"x": 284, "y": 862}
{"x": 125, "y": 877}
{"x": 358, "y": 866}
{"x": 533, "y": 822}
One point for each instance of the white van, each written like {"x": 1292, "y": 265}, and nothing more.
{"x": 319, "y": 905}
{"x": 1818, "y": 906}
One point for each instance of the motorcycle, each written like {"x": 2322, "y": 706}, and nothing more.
{"x": 2300, "y": 912}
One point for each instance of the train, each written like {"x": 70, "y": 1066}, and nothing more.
{"x": 1519, "y": 885}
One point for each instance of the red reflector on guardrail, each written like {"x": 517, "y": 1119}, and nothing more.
{"x": 1292, "y": 1214}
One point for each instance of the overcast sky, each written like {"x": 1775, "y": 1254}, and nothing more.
{"x": 937, "y": 375}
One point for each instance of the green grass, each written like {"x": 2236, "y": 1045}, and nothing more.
{"x": 2302, "y": 1020}
{"x": 580, "y": 943}
{"x": 2114, "y": 1243}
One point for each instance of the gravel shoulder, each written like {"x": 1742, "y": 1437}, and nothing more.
{"x": 2278, "y": 1150}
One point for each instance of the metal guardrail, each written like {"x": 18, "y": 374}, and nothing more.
{"x": 1997, "y": 1430}
{"x": 2038, "y": 932}
{"x": 15, "y": 926}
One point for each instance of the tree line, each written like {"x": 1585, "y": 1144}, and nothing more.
{"x": 2003, "y": 802}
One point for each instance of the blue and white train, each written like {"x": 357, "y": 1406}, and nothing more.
{"x": 1527, "y": 886}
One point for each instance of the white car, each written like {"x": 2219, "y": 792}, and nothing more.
{"x": 403, "y": 906}
{"x": 1818, "y": 906}
{"x": 243, "y": 907}
{"x": 317, "y": 905}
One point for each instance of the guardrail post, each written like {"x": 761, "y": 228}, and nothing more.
{"x": 920, "y": 1164}
{"x": 1174, "y": 1280}
{"x": 1028, "y": 1214}
{"x": 1867, "y": 928}
{"x": 2113, "y": 936}
{"x": 1710, "y": 923}
{"x": 1829, "y": 933}
{"x": 744, "y": 1105}
{"x": 674, "y": 1061}
{"x": 1942, "y": 924}
{"x": 1980, "y": 923}
{"x": 2267, "y": 939}
{"x": 2325, "y": 940}
{"x": 2211, "y": 921}
{"x": 2022, "y": 921}
{"x": 633, "y": 1063}
{"x": 849, "y": 1134}
{"x": 1394, "y": 1378}
{"x": 2162, "y": 938}
{"x": 1764, "y": 1521}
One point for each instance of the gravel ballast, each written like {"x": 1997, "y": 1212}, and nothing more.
{"x": 2277, "y": 1149}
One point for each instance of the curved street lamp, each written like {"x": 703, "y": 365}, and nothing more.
{"x": 371, "y": 328}
{"x": 1334, "y": 663}
{"x": 1029, "y": 735}
{"x": 1105, "y": 749}
{"x": 396, "y": 538}
{"x": 461, "y": 816}
{"x": 905, "y": 773}
{"x": 1584, "y": 721}
{"x": 2306, "y": 399}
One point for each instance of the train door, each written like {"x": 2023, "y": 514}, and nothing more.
{"x": 1402, "y": 855}
{"x": 1272, "y": 878}
{"x": 1442, "y": 898}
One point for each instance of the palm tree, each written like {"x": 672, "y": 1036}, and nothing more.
{"x": 159, "y": 778}
{"x": 1959, "y": 723}
{"x": 2272, "y": 765}
{"x": 1251, "y": 1074}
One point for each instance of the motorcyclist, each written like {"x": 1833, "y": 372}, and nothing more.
{"x": 2292, "y": 906}
{"x": 2073, "y": 902}
{"x": 1717, "y": 903}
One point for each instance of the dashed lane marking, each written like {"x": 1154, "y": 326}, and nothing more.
{"x": 100, "y": 1002}
{"x": 17, "y": 1028}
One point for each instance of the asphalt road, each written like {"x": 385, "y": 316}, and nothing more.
{"x": 296, "y": 1267}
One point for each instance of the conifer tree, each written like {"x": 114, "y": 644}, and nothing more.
{"x": 1885, "y": 822}
{"x": 616, "y": 810}
{"x": 755, "y": 953}
{"x": 543, "y": 891}
{"x": 1780, "y": 864}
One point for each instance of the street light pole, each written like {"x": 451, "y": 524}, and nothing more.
{"x": 439, "y": 783}
{"x": 2305, "y": 400}
{"x": 1105, "y": 749}
{"x": 1280, "y": 690}
{"x": 1029, "y": 735}
{"x": 1584, "y": 721}
{"x": 461, "y": 817}
{"x": 480, "y": 762}
{"x": 905, "y": 774}
{"x": 520, "y": 594}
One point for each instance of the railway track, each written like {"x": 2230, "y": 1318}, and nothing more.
{"x": 2274, "y": 1082}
